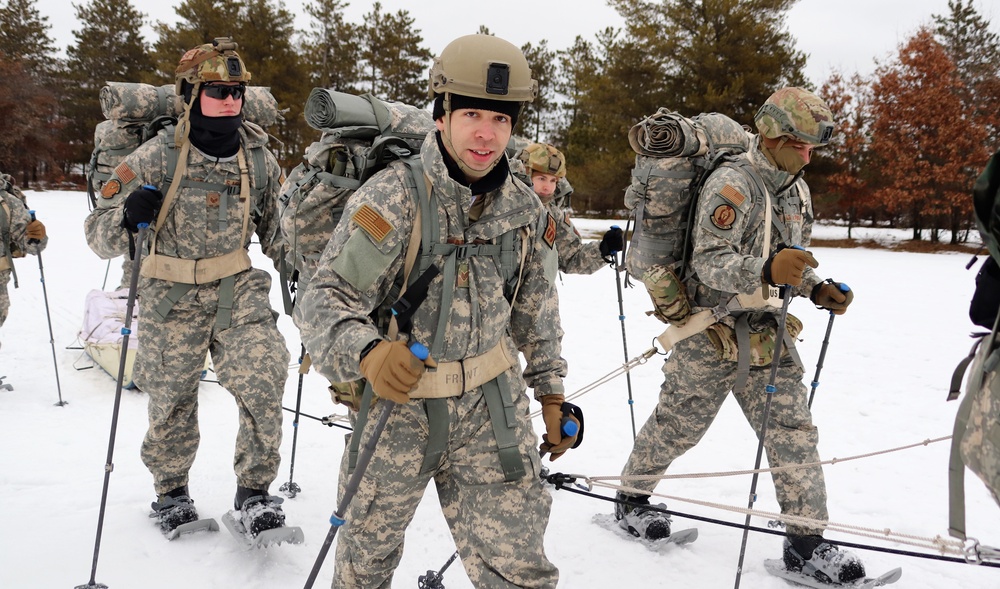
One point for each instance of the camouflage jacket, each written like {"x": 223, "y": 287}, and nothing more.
{"x": 13, "y": 224}
{"x": 575, "y": 257}
{"x": 728, "y": 233}
{"x": 360, "y": 266}
{"x": 194, "y": 228}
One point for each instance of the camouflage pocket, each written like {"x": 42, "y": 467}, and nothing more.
{"x": 980, "y": 445}
{"x": 348, "y": 393}
{"x": 670, "y": 302}
{"x": 723, "y": 338}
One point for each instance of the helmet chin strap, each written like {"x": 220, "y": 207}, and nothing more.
{"x": 184, "y": 122}
{"x": 446, "y": 137}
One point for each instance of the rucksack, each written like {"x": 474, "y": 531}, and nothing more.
{"x": 975, "y": 440}
{"x": 674, "y": 157}
{"x": 135, "y": 113}
{"x": 360, "y": 136}
{"x": 8, "y": 249}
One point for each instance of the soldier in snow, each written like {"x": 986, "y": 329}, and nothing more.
{"x": 19, "y": 235}
{"x": 200, "y": 293}
{"x": 751, "y": 221}
{"x": 464, "y": 424}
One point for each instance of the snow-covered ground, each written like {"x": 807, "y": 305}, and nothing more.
{"x": 884, "y": 383}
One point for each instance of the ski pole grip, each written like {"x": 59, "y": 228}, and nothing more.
{"x": 419, "y": 350}
{"x": 569, "y": 427}
{"x": 148, "y": 187}
{"x": 32, "y": 214}
{"x": 843, "y": 287}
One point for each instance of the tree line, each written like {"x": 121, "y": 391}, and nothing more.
{"x": 911, "y": 137}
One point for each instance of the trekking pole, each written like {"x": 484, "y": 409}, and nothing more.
{"x": 779, "y": 336}
{"x": 822, "y": 352}
{"x": 108, "y": 465}
{"x": 48, "y": 316}
{"x": 107, "y": 269}
{"x": 621, "y": 318}
{"x": 435, "y": 579}
{"x": 291, "y": 489}
{"x": 337, "y": 519}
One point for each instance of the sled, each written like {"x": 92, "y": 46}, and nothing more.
{"x": 101, "y": 334}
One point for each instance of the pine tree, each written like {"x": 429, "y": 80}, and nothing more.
{"x": 975, "y": 50}
{"x": 24, "y": 37}
{"x": 330, "y": 50}
{"x": 394, "y": 62}
{"x": 198, "y": 22}
{"x": 538, "y": 117}
{"x": 109, "y": 47}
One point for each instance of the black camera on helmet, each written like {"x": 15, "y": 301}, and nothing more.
{"x": 498, "y": 78}
{"x": 233, "y": 66}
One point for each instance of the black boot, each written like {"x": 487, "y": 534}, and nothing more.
{"x": 818, "y": 558}
{"x": 258, "y": 511}
{"x": 173, "y": 509}
{"x": 642, "y": 522}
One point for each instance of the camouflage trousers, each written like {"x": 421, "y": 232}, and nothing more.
{"x": 498, "y": 526}
{"x": 4, "y": 297}
{"x": 250, "y": 359}
{"x": 695, "y": 385}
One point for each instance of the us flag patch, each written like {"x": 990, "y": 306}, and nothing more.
{"x": 732, "y": 195}
{"x": 372, "y": 222}
{"x": 549, "y": 237}
{"x": 125, "y": 173}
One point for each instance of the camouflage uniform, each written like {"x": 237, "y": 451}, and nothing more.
{"x": 13, "y": 241}
{"x": 500, "y": 530}
{"x": 249, "y": 355}
{"x": 727, "y": 241}
{"x": 575, "y": 256}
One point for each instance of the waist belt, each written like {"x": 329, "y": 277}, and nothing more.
{"x": 200, "y": 271}
{"x": 451, "y": 379}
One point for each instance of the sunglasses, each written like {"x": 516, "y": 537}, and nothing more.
{"x": 223, "y": 92}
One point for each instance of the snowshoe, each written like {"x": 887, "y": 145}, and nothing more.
{"x": 175, "y": 513}
{"x": 5, "y": 386}
{"x": 776, "y": 567}
{"x": 826, "y": 562}
{"x": 642, "y": 522}
{"x": 259, "y": 521}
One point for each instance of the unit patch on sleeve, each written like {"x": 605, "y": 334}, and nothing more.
{"x": 723, "y": 217}
{"x": 732, "y": 195}
{"x": 549, "y": 237}
{"x": 372, "y": 222}
{"x": 111, "y": 188}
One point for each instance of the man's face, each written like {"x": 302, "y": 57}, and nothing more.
{"x": 477, "y": 138}
{"x": 227, "y": 106}
{"x": 544, "y": 185}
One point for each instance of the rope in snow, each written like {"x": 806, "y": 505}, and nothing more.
{"x": 729, "y": 473}
{"x": 623, "y": 369}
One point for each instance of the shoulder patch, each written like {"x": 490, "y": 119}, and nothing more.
{"x": 124, "y": 173}
{"x": 549, "y": 237}
{"x": 732, "y": 195}
{"x": 372, "y": 222}
{"x": 723, "y": 217}
{"x": 111, "y": 188}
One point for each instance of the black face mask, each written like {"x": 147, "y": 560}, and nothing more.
{"x": 491, "y": 181}
{"x": 215, "y": 136}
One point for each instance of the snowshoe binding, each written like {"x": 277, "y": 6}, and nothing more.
{"x": 258, "y": 520}
{"x": 640, "y": 521}
{"x": 175, "y": 513}
{"x": 827, "y": 566}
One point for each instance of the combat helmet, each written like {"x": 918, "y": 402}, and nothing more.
{"x": 212, "y": 62}
{"x": 795, "y": 113}
{"x": 544, "y": 158}
{"x": 484, "y": 67}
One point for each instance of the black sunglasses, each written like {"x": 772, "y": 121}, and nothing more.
{"x": 222, "y": 92}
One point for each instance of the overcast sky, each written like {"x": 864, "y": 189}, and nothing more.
{"x": 836, "y": 34}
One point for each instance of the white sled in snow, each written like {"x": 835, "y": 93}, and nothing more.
{"x": 101, "y": 334}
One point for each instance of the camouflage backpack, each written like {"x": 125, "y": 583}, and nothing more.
{"x": 360, "y": 136}
{"x": 135, "y": 113}
{"x": 675, "y": 155}
{"x": 975, "y": 440}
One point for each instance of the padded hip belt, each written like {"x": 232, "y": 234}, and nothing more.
{"x": 451, "y": 379}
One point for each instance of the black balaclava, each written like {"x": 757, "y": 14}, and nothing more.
{"x": 491, "y": 181}
{"x": 215, "y": 136}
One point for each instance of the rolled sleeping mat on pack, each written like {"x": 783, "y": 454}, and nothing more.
{"x": 129, "y": 101}
{"x": 666, "y": 134}
{"x": 328, "y": 110}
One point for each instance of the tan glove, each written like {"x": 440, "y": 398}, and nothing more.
{"x": 35, "y": 230}
{"x": 393, "y": 370}
{"x": 786, "y": 266}
{"x": 553, "y": 440}
{"x": 833, "y": 296}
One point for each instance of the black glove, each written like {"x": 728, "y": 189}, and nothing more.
{"x": 612, "y": 242}
{"x": 141, "y": 207}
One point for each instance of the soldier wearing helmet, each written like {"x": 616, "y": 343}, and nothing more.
{"x": 490, "y": 265}
{"x": 752, "y": 222}
{"x": 207, "y": 188}
{"x": 545, "y": 171}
